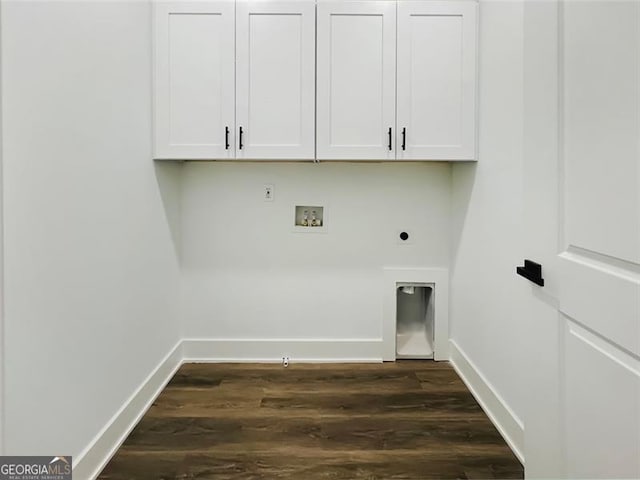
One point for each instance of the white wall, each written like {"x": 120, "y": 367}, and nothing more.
{"x": 543, "y": 330}
{"x": 91, "y": 273}
{"x": 2, "y": 362}
{"x": 247, "y": 275}
{"x": 486, "y": 295}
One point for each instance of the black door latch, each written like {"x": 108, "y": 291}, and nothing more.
{"x": 531, "y": 271}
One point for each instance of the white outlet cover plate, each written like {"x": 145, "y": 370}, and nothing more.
{"x": 269, "y": 188}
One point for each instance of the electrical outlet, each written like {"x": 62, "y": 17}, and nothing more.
{"x": 285, "y": 362}
{"x": 268, "y": 193}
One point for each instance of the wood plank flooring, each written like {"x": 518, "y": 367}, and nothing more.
{"x": 402, "y": 420}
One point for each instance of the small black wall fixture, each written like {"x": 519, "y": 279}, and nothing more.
{"x": 531, "y": 271}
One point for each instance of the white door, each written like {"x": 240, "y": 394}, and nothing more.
{"x": 194, "y": 80}
{"x": 275, "y": 79}
{"x": 593, "y": 279}
{"x": 599, "y": 286}
{"x": 436, "y": 99}
{"x": 356, "y": 80}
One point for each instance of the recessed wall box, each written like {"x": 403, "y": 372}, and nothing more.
{"x": 310, "y": 218}
{"x": 415, "y": 320}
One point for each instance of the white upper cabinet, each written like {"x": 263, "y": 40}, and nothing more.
{"x": 289, "y": 80}
{"x": 194, "y": 79}
{"x": 436, "y": 91}
{"x": 356, "y": 45}
{"x": 275, "y": 78}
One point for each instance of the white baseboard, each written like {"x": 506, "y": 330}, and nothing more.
{"x": 94, "y": 458}
{"x": 507, "y": 423}
{"x": 272, "y": 350}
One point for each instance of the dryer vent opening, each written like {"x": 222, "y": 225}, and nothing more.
{"x": 415, "y": 320}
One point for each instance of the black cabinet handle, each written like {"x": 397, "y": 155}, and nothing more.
{"x": 404, "y": 138}
{"x": 226, "y": 138}
{"x": 240, "y": 140}
{"x": 532, "y": 271}
{"x": 389, "y": 138}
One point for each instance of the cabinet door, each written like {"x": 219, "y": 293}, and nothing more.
{"x": 436, "y": 80}
{"x": 356, "y": 80}
{"x": 275, "y": 79}
{"x": 194, "y": 80}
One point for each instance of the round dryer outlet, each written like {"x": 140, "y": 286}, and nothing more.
{"x": 404, "y": 237}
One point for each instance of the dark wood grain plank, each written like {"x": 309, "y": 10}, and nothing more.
{"x": 285, "y": 464}
{"x": 371, "y": 433}
{"x": 425, "y": 403}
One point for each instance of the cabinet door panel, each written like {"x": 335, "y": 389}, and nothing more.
{"x": 276, "y": 79}
{"x": 437, "y": 80}
{"x": 194, "y": 80}
{"x": 356, "y": 80}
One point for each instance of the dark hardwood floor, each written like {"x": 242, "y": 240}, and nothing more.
{"x": 403, "y": 420}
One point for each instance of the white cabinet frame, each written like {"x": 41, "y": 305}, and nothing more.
{"x": 436, "y": 102}
{"x": 275, "y": 79}
{"x": 194, "y": 79}
{"x": 356, "y": 80}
